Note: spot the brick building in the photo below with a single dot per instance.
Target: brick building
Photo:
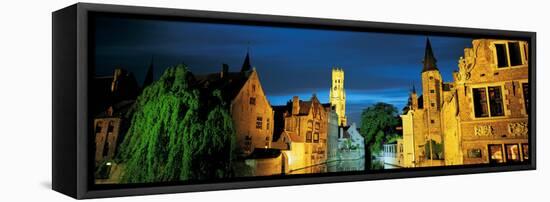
(485, 108)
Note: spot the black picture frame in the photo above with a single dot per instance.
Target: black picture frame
(71, 71)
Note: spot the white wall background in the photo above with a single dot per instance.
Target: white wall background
(25, 99)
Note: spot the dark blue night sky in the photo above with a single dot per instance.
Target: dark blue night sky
(290, 61)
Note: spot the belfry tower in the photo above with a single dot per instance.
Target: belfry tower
(338, 95)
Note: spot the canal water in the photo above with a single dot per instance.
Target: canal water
(343, 166)
(333, 166)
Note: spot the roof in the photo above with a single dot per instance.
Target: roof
(127, 89)
(230, 84)
(429, 58)
(305, 106)
(246, 64)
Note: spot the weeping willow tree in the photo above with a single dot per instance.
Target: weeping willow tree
(176, 135)
(378, 122)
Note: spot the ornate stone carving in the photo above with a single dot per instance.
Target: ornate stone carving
(518, 129)
(466, 64)
(483, 130)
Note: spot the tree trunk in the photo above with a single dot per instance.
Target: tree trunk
(368, 158)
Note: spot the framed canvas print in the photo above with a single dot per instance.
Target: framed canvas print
(153, 100)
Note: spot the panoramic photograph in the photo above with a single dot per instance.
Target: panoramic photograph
(192, 101)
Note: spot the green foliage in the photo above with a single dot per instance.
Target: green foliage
(102, 171)
(377, 123)
(175, 135)
(437, 150)
(391, 139)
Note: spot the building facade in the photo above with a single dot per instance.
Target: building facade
(304, 134)
(485, 109)
(252, 115)
(489, 104)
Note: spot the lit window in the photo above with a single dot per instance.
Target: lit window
(259, 122)
(316, 137)
(512, 153)
(495, 153)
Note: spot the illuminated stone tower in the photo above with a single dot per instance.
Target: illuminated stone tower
(432, 92)
(338, 95)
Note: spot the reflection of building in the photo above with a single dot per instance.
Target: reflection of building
(338, 95)
(485, 108)
(303, 136)
(250, 110)
(351, 144)
(332, 133)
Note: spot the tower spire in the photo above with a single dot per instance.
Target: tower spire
(429, 58)
(150, 74)
(246, 64)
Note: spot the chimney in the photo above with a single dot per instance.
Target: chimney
(414, 101)
(116, 78)
(295, 105)
(414, 98)
(225, 69)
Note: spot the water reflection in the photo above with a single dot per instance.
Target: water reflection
(333, 166)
